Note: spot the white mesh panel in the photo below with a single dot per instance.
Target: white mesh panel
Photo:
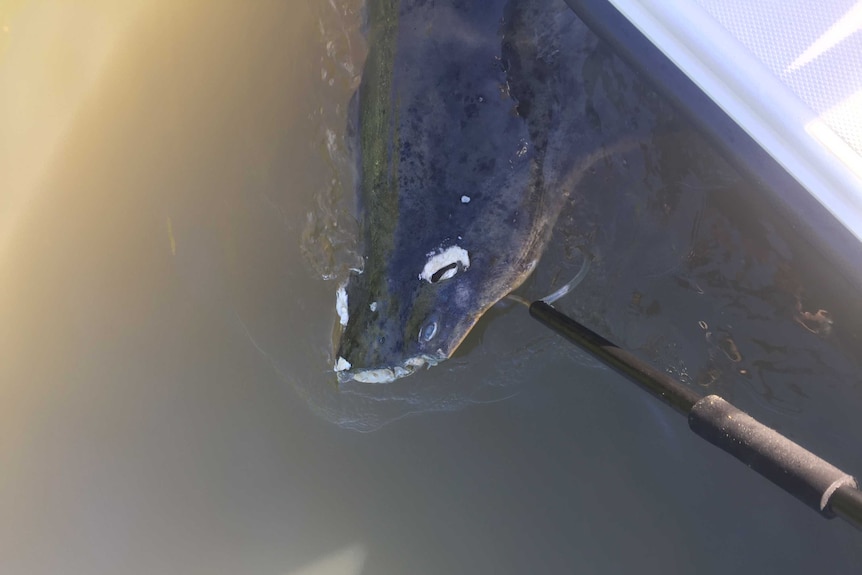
(813, 47)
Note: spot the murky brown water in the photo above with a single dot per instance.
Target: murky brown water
(176, 215)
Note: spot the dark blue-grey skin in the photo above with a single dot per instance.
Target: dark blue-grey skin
(469, 126)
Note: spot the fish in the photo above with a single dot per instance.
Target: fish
(468, 125)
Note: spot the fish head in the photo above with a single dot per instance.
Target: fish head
(392, 326)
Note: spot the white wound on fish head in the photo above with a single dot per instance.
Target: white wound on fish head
(446, 261)
(341, 304)
(465, 199)
(373, 306)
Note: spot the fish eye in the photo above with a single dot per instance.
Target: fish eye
(427, 332)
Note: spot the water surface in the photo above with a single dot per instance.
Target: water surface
(170, 252)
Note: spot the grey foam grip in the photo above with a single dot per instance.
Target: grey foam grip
(793, 468)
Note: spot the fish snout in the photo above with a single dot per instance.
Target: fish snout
(346, 372)
(374, 351)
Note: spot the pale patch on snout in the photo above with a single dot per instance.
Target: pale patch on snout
(449, 260)
(385, 374)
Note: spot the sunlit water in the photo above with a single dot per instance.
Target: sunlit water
(169, 263)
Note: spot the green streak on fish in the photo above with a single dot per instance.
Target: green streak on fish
(378, 129)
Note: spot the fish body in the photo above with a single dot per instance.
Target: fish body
(468, 124)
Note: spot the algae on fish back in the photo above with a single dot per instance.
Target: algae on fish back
(377, 128)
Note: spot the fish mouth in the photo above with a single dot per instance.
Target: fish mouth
(345, 372)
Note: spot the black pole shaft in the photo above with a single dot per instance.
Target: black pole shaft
(812, 480)
(657, 383)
